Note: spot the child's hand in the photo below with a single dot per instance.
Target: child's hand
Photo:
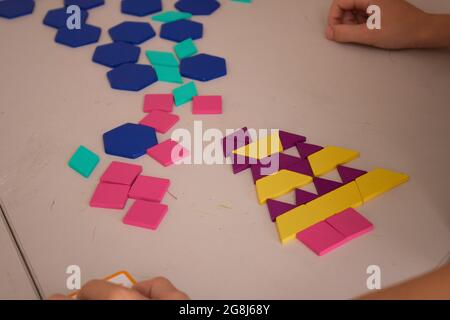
(155, 289)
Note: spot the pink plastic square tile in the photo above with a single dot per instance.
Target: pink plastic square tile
(163, 102)
(168, 152)
(149, 188)
(160, 120)
(145, 214)
(321, 238)
(350, 223)
(121, 173)
(109, 195)
(207, 105)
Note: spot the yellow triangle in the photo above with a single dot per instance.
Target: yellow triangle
(329, 158)
(261, 148)
(379, 181)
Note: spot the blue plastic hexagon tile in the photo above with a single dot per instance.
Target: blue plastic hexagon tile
(181, 30)
(198, 7)
(78, 37)
(132, 77)
(84, 4)
(57, 18)
(116, 53)
(132, 32)
(129, 140)
(203, 67)
(141, 8)
(11, 9)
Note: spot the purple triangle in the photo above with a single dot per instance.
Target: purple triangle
(277, 208)
(286, 160)
(256, 172)
(235, 140)
(349, 174)
(303, 197)
(306, 149)
(302, 167)
(289, 140)
(240, 163)
(324, 186)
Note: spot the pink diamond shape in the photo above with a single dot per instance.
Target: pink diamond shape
(321, 238)
(168, 152)
(121, 173)
(149, 188)
(350, 223)
(160, 120)
(145, 214)
(109, 195)
(207, 105)
(163, 102)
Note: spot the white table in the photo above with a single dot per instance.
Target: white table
(216, 241)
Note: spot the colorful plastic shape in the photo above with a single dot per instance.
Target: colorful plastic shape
(132, 32)
(290, 223)
(115, 54)
(198, 7)
(181, 30)
(140, 8)
(145, 214)
(272, 164)
(184, 93)
(185, 49)
(57, 18)
(168, 74)
(329, 158)
(378, 181)
(302, 167)
(350, 223)
(160, 58)
(203, 67)
(162, 102)
(11, 9)
(239, 164)
(348, 174)
(243, 1)
(170, 16)
(207, 105)
(78, 37)
(129, 140)
(277, 208)
(121, 173)
(289, 140)
(131, 77)
(321, 238)
(261, 148)
(110, 196)
(160, 120)
(307, 149)
(149, 188)
(324, 186)
(84, 4)
(235, 140)
(168, 152)
(303, 197)
(84, 161)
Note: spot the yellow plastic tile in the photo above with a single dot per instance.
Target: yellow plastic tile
(280, 183)
(329, 158)
(261, 148)
(379, 181)
(291, 222)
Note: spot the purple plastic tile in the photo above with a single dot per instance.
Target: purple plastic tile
(324, 186)
(277, 208)
(240, 163)
(303, 197)
(289, 140)
(286, 160)
(302, 167)
(349, 174)
(350, 223)
(235, 140)
(306, 149)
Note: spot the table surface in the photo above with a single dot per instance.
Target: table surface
(216, 241)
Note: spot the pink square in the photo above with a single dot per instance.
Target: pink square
(160, 120)
(109, 195)
(350, 223)
(149, 188)
(168, 152)
(163, 102)
(121, 173)
(207, 105)
(145, 214)
(321, 238)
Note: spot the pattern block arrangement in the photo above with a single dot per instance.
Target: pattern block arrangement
(329, 158)
(84, 161)
(261, 148)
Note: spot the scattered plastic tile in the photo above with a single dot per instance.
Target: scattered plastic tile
(303, 197)
(121, 173)
(286, 161)
(235, 140)
(161, 58)
(132, 77)
(84, 4)
(185, 49)
(78, 37)
(307, 149)
(115, 54)
(198, 7)
(321, 238)
(11, 9)
(141, 8)
(261, 148)
(350, 223)
(168, 152)
(129, 140)
(57, 18)
(277, 208)
(324, 186)
(181, 30)
(302, 167)
(168, 74)
(160, 120)
(170, 16)
(294, 221)
(84, 161)
(149, 188)
(145, 214)
(289, 140)
(378, 181)
(348, 174)
(132, 32)
(162, 102)
(329, 158)
(272, 164)
(184, 93)
(243, 1)
(203, 67)
(110, 196)
(207, 105)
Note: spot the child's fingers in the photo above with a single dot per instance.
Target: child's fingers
(339, 7)
(358, 33)
(103, 290)
(160, 289)
(58, 297)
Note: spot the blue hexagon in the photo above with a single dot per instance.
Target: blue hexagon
(198, 7)
(116, 53)
(84, 4)
(181, 30)
(203, 67)
(11, 9)
(132, 77)
(57, 18)
(132, 32)
(141, 8)
(129, 140)
(78, 37)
